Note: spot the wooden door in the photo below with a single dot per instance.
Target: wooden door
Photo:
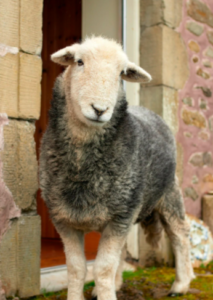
(61, 27)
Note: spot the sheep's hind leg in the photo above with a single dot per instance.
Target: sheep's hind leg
(172, 215)
(76, 263)
(107, 262)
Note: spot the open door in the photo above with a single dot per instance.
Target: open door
(62, 21)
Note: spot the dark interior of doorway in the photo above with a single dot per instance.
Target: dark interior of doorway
(62, 21)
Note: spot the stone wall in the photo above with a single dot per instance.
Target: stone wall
(20, 76)
(195, 109)
(177, 50)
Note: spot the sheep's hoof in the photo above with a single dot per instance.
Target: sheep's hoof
(94, 298)
(174, 294)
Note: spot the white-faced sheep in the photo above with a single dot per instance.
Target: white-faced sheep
(104, 166)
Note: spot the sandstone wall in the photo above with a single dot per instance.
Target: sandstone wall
(20, 89)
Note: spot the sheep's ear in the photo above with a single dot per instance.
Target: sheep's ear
(135, 73)
(65, 56)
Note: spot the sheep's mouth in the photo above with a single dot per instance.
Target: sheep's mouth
(95, 120)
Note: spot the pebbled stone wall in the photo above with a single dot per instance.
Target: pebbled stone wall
(177, 50)
(195, 103)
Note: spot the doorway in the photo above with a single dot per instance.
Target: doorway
(62, 26)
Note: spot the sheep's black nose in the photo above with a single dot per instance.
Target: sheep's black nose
(99, 112)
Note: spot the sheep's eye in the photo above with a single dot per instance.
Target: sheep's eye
(122, 72)
(80, 62)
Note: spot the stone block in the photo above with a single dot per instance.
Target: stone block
(9, 22)
(8, 252)
(163, 101)
(207, 203)
(149, 256)
(165, 12)
(28, 256)
(200, 12)
(163, 55)
(29, 86)
(31, 26)
(194, 28)
(192, 117)
(190, 192)
(194, 46)
(9, 69)
(210, 36)
(19, 163)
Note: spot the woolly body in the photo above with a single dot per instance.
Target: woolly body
(123, 169)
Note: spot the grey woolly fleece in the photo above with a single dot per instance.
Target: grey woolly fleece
(120, 176)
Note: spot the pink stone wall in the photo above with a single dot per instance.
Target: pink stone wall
(8, 208)
(195, 111)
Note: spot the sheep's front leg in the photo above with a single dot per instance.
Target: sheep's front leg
(76, 263)
(107, 262)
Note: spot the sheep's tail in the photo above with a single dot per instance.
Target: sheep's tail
(153, 229)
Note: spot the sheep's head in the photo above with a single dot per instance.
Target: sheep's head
(96, 68)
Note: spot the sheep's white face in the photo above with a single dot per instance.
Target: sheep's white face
(96, 68)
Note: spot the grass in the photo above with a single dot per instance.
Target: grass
(144, 282)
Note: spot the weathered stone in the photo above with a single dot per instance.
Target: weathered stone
(20, 257)
(207, 159)
(179, 165)
(208, 178)
(190, 192)
(9, 85)
(195, 59)
(203, 74)
(208, 210)
(206, 91)
(195, 180)
(211, 123)
(28, 256)
(201, 242)
(203, 104)
(187, 101)
(165, 103)
(29, 86)
(207, 64)
(20, 165)
(210, 36)
(194, 46)
(199, 11)
(204, 135)
(187, 134)
(209, 52)
(8, 254)
(31, 26)
(196, 160)
(157, 44)
(150, 256)
(194, 28)
(165, 12)
(9, 23)
(193, 118)
(201, 159)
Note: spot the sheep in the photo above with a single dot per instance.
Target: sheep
(105, 166)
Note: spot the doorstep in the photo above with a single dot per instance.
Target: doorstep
(54, 279)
